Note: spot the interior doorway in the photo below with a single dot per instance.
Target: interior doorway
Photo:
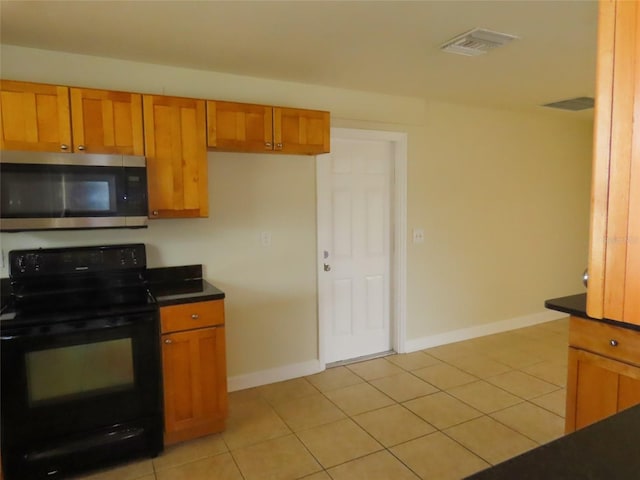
(361, 202)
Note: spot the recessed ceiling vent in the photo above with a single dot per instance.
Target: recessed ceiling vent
(572, 104)
(477, 42)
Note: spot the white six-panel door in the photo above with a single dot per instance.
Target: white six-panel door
(354, 220)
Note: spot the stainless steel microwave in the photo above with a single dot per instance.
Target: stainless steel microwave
(51, 191)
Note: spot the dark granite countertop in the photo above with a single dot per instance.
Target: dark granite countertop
(175, 285)
(576, 305)
(606, 450)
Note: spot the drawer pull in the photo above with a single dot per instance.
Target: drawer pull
(613, 342)
(195, 316)
(168, 341)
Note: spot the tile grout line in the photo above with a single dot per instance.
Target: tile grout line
(395, 402)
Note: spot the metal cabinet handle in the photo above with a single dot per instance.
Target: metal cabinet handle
(195, 316)
(613, 342)
(154, 213)
(168, 341)
(64, 147)
(278, 146)
(269, 145)
(82, 147)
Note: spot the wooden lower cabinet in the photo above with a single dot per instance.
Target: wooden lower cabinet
(605, 380)
(194, 370)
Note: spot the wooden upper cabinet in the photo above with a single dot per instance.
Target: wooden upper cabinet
(239, 127)
(51, 118)
(34, 116)
(107, 122)
(302, 132)
(614, 253)
(242, 127)
(176, 151)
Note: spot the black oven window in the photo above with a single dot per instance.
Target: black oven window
(79, 371)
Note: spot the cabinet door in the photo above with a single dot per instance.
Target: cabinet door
(195, 385)
(106, 122)
(176, 150)
(34, 116)
(303, 132)
(239, 127)
(614, 256)
(598, 387)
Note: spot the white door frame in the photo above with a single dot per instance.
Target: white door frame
(398, 287)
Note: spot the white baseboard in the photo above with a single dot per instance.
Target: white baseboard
(482, 330)
(287, 372)
(272, 375)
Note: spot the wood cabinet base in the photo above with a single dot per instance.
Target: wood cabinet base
(205, 428)
(603, 372)
(194, 370)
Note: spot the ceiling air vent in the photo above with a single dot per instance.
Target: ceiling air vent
(573, 104)
(477, 42)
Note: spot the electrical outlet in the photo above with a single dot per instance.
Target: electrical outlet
(418, 235)
(265, 239)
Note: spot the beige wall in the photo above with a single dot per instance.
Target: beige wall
(502, 196)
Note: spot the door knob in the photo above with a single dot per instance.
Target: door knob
(327, 267)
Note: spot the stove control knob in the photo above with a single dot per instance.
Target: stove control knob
(22, 264)
(36, 263)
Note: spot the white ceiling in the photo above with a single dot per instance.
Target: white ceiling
(381, 46)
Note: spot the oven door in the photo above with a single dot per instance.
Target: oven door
(69, 384)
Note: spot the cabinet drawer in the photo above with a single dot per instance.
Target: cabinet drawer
(614, 342)
(187, 316)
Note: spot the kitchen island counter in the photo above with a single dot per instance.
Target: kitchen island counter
(576, 306)
(605, 450)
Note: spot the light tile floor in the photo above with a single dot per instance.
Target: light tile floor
(441, 413)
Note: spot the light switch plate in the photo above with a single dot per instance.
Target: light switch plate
(418, 235)
(265, 239)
